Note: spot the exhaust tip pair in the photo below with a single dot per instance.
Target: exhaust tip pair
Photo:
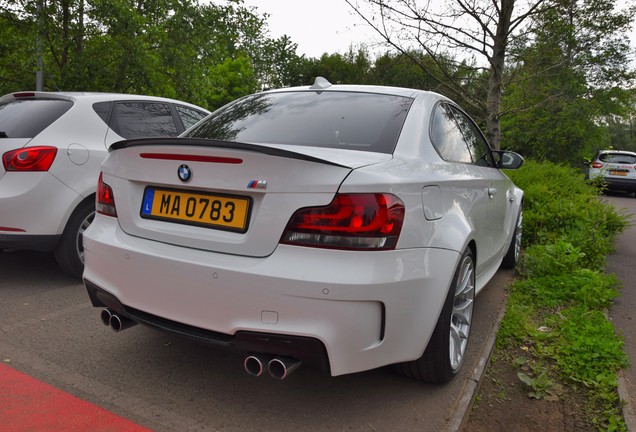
(279, 367)
(114, 321)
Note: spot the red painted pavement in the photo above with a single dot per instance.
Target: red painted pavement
(29, 405)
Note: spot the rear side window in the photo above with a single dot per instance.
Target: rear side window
(143, 119)
(458, 139)
(189, 116)
(102, 109)
(618, 158)
(342, 120)
(26, 118)
(447, 137)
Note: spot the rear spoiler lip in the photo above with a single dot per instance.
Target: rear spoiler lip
(204, 142)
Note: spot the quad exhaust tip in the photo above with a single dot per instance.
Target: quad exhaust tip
(279, 367)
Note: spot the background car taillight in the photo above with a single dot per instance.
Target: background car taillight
(105, 200)
(351, 221)
(29, 159)
(597, 165)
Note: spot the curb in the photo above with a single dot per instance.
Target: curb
(463, 408)
(629, 410)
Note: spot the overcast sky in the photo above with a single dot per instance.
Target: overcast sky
(329, 25)
(316, 26)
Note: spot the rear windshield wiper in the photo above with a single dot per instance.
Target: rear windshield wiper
(3, 134)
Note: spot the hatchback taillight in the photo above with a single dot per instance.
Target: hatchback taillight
(105, 200)
(597, 165)
(350, 221)
(29, 159)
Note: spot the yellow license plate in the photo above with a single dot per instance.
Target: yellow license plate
(618, 173)
(226, 212)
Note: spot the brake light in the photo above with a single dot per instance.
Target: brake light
(350, 221)
(597, 165)
(105, 200)
(29, 159)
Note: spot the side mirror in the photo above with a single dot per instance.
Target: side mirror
(509, 159)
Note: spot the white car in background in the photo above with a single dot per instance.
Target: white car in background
(349, 227)
(52, 146)
(617, 169)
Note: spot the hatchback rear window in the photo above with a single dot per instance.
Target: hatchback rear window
(618, 158)
(26, 118)
(342, 120)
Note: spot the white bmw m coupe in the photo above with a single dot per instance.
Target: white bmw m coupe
(348, 227)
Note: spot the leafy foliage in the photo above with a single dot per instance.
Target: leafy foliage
(556, 310)
(570, 73)
(203, 53)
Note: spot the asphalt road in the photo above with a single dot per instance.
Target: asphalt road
(623, 312)
(49, 330)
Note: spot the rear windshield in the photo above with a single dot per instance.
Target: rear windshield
(342, 120)
(618, 158)
(25, 118)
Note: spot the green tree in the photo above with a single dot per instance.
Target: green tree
(18, 33)
(570, 83)
(477, 32)
(175, 48)
(353, 67)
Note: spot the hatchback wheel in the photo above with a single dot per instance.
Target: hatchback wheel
(446, 350)
(69, 252)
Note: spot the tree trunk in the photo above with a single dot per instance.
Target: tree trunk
(495, 76)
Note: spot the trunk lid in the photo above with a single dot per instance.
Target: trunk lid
(239, 197)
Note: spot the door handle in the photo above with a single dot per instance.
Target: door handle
(492, 192)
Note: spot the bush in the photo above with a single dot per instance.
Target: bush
(556, 310)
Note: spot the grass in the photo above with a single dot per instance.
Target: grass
(557, 309)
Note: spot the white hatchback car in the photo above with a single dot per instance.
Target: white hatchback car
(52, 146)
(348, 227)
(617, 169)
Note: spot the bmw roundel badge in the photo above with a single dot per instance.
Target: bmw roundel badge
(185, 173)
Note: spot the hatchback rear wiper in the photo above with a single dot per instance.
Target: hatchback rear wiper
(3, 134)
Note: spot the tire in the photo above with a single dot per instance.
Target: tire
(511, 258)
(446, 349)
(69, 252)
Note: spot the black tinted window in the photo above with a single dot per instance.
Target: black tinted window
(447, 137)
(189, 116)
(28, 117)
(346, 120)
(618, 158)
(477, 145)
(102, 109)
(143, 119)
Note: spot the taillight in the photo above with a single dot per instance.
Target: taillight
(105, 200)
(597, 165)
(351, 221)
(29, 159)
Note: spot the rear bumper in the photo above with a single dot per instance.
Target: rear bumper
(310, 351)
(620, 184)
(34, 208)
(345, 311)
(612, 182)
(42, 243)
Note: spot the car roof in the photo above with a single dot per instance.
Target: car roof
(90, 97)
(322, 85)
(617, 152)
